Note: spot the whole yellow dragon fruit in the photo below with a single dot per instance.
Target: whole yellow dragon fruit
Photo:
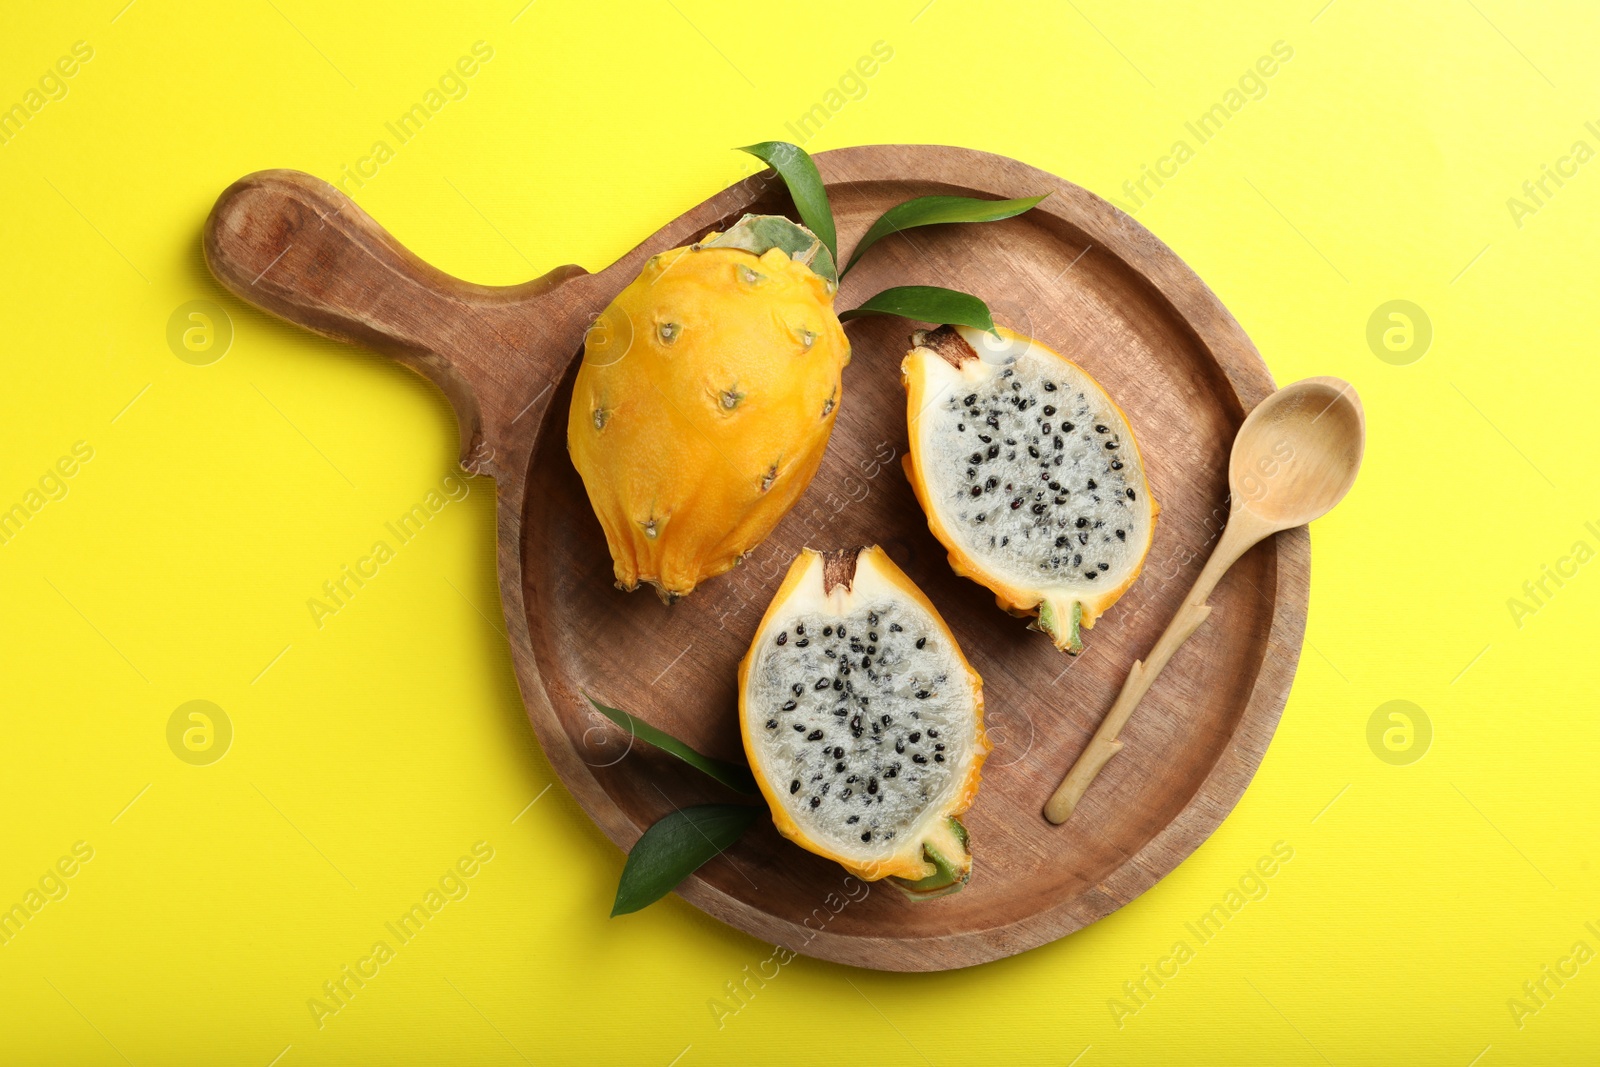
(707, 393)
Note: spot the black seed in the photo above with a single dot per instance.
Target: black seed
(814, 735)
(872, 785)
(1130, 495)
(867, 836)
(986, 439)
(783, 638)
(1077, 559)
(923, 694)
(797, 688)
(788, 705)
(1081, 523)
(976, 457)
(772, 724)
(972, 398)
(1091, 574)
(933, 731)
(1061, 500)
(837, 684)
(894, 627)
(799, 729)
(977, 490)
(839, 767)
(827, 631)
(794, 787)
(938, 757)
(1116, 464)
(1110, 445)
(994, 450)
(853, 819)
(899, 746)
(1049, 387)
(866, 661)
(921, 641)
(917, 757)
(803, 642)
(1091, 484)
(982, 516)
(800, 628)
(1034, 452)
(1061, 542)
(816, 802)
(1122, 535)
(1038, 509)
(1049, 409)
(885, 720)
(916, 735)
(1099, 428)
(822, 683)
(1103, 566)
(1017, 503)
(830, 653)
(1083, 539)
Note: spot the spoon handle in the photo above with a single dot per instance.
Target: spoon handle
(1243, 531)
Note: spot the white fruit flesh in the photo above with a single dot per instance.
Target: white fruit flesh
(1032, 471)
(861, 717)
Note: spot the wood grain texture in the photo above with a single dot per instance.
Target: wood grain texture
(1075, 272)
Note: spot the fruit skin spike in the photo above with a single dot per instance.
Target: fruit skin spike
(863, 722)
(1029, 475)
(704, 403)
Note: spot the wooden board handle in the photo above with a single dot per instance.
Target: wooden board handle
(297, 247)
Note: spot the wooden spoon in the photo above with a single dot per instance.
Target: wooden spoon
(1295, 457)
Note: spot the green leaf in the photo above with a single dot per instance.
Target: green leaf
(931, 210)
(674, 848)
(732, 775)
(927, 303)
(799, 173)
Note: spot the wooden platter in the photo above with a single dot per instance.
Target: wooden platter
(1075, 272)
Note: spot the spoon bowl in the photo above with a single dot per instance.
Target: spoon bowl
(1298, 452)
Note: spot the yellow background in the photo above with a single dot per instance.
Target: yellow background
(370, 754)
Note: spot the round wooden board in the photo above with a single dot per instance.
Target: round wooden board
(1076, 273)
